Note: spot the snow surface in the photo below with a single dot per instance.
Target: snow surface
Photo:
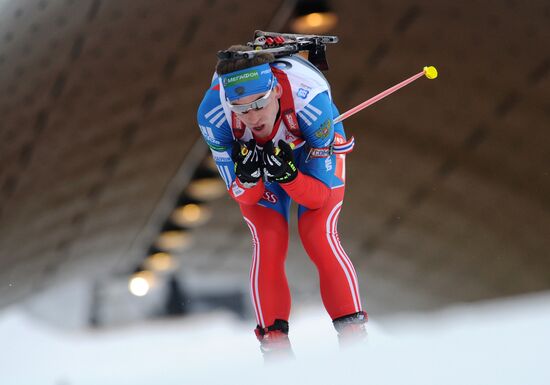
(501, 343)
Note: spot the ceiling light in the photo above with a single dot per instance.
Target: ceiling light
(191, 215)
(141, 282)
(206, 189)
(313, 17)
(160, 261)
(173, 238)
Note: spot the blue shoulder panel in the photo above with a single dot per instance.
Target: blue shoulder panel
(317, 129)
(315, 121)
(213, 124)
(216, 131)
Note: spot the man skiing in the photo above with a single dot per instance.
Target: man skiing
(269, 125)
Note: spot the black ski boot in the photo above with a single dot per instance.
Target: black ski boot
(274, 342)
(351, 328)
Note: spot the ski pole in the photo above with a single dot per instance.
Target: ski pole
(430, 72)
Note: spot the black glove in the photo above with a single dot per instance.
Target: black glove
(247, 162)
(279, 162)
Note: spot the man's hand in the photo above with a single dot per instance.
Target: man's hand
(247, 162)
(279, 162)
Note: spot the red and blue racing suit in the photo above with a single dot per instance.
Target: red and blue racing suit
(318, 190)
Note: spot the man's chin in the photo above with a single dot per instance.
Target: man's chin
(261, 131)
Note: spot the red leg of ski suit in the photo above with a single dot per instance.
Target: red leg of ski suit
(318, 232)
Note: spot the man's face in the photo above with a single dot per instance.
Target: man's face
(260, 121)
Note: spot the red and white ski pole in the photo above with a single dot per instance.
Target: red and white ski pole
(430, 72)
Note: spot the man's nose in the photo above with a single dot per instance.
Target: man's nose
(254, 116)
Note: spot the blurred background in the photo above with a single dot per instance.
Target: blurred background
(112, 213)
